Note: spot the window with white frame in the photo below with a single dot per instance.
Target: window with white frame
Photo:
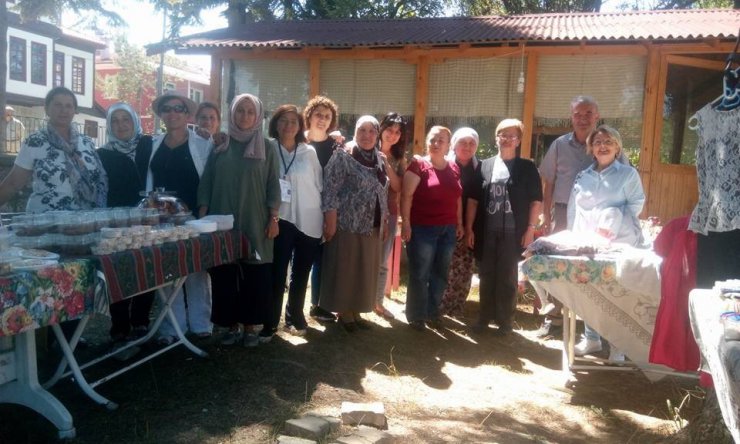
(17, 59)
(38, 63)
(78, 75)
(58, 68)
(168, 86)
(196, 95)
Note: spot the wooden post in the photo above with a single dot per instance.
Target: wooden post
(650, 113)
(314, 76)
(530, 96)
(420, 111)
(214, 92)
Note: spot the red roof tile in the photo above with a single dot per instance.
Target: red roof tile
(611, 26)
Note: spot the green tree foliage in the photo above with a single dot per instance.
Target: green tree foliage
(135, 81)
(517, 7)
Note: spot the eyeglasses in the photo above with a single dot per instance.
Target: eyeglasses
(607, 143)
(507, 137)
(176, 108)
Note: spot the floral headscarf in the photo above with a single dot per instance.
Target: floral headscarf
(255, 148)
(127, 147)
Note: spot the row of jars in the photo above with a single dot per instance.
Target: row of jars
(83, 222)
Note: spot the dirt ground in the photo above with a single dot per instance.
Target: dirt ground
(437, 387)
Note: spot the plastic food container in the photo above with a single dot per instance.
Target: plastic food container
(224, 221)
(203, 226)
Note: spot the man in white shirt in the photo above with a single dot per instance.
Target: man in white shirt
(14, 131)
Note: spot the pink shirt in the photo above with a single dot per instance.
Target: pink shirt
(435, 199)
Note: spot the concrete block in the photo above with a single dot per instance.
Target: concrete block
(311, 427)
(366, 435)
(283, 439)
(334, 423)
(372, 414)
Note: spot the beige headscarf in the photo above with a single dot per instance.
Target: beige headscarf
(255, 148)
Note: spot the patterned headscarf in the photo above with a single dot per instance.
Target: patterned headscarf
(255, 148)
(127, 147)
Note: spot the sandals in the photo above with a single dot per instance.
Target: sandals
(384, 313)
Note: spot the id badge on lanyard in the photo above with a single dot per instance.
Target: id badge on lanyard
(286, 190)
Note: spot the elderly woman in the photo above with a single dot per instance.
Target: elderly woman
(176, 164)
(301, 220)
(464, 144)
(321, 117)
(64, 165)
(242, 179)
(393, 146)
(502, 214)
(431, 209)
(355, 221)
(606, 199)
(126, 161)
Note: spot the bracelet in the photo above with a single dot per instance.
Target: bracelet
(532, 226)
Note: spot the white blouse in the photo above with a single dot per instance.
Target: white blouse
(304, 174)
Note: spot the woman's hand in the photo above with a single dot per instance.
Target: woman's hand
(273, 228)
(337, 136)
(528, 237)
(406, 231)
(386, 231)
(459, 232)
(330, 229)
(470, 239)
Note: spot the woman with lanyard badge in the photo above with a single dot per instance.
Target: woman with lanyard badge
(301, 220)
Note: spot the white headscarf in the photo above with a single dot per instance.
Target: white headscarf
(127, 147)
(459, 135)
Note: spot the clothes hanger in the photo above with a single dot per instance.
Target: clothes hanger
(730, 98)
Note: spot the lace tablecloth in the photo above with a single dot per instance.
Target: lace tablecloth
(617, 295)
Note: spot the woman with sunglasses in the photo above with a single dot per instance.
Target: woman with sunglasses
(502, 213)
(177, 162)
(393, 146)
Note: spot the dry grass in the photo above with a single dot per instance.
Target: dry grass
(436, 388)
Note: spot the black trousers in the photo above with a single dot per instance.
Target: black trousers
(240, 293)
(293, 245)
(717, 257)
(498, 278)
(128, 313)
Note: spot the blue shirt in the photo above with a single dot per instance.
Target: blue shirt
(609, 200)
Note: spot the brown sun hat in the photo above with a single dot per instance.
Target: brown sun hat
(189, 104)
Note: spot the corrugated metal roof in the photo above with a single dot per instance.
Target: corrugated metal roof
(610, 26)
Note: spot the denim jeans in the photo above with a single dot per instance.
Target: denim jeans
(429, 251)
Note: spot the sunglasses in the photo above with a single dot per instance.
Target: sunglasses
(176, 108)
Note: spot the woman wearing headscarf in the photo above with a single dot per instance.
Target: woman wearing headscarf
(126, 160)
(355, 208)
(431, 210)
(393, 146)
(62, 164)
(176, 164)
(464, 144)
(502, 213)
(242, 179)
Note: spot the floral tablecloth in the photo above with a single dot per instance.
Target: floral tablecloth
(130, 272)
(617, 295)
(34, 299)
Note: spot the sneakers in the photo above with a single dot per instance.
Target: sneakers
(548, 329)
(616, 355)
(232, 337)
(294, 331)
(587, 347)
(418, 325)
(266, 335)
(320, 314)
(436, 324)
(252, 340)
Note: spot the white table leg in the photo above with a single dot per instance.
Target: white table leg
(26, 391)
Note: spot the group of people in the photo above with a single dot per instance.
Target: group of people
(319, 207)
